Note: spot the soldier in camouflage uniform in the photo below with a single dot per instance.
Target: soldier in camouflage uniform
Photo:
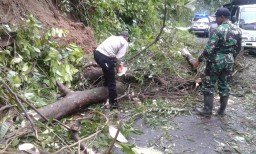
(219, 54)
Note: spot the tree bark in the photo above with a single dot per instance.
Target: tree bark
(73, 101)
(93, 74)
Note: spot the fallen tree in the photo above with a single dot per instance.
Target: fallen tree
(73, 101)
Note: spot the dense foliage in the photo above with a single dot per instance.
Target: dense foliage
(142, 18)
(36, 61)
(209, 6)
(33, 64)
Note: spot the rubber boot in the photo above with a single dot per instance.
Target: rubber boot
(208, 105)
(223, 105)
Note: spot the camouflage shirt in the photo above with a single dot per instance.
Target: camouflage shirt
(223, 45)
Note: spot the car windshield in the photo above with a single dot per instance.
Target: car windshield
(200, 16)
(247, 16)
(202, 21)
(205, 20)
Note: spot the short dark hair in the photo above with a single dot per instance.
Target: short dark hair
(223, 12)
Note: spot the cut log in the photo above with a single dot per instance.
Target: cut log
(73, 101)
(94, 74)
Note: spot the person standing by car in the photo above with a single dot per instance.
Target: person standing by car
(219, 54)
(107, 54)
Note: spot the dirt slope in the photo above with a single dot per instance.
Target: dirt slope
(13, 11)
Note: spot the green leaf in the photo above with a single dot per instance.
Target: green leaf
(79, 59)
(53, 32)
(3, 129)
(127, 148)
(68, 69)
(59, 73)
(72, 58)
(37, 50)
(74, 70)
(15, 142)
(16, 60)
(25, 67)
(17, 81)
(7, 51)
(67, 77)
(11, 74)
(59, 32)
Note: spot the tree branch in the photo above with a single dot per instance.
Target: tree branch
(158, 36)
(114, 140)
(64, 90)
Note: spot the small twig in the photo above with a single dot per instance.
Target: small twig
(87, 138)
(239, 152)
(96, 80)
(29, 103)
(125, 94)
(148, 85)
(79, 151)
(76, 143)
(26, 114)
(22, 107)
(234, 72)
(114, 140)
(6, 107)
(9, 37)
(3, 151)
(81, 145)
(67, 127)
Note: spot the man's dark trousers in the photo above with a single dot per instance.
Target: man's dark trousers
(108, 67)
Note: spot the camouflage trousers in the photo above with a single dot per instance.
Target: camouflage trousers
(220, 73)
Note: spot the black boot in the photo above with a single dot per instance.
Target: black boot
(223, 104)
(208, 105)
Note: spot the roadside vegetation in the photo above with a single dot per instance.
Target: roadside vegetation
(31, 66)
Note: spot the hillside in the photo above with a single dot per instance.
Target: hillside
(13, 11)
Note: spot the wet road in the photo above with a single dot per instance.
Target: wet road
(192, 134)
(234, 133)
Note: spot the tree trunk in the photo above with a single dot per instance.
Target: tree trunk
(74, 101)
(94, 74)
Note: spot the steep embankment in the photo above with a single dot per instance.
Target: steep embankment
(13, 11)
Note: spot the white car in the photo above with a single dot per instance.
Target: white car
(201, 26)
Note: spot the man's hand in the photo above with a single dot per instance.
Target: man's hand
(195, 64)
